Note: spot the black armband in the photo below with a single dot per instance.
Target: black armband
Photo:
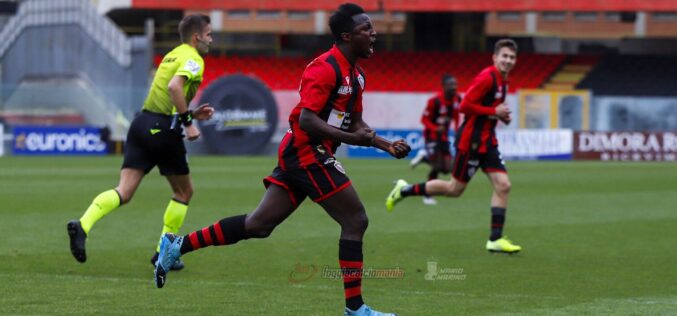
(186, 118)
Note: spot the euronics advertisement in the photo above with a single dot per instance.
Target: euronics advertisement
(58, 140)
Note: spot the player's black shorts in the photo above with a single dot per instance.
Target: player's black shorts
(151, 142)
(319, 181)
(437, 149)
(467, 163)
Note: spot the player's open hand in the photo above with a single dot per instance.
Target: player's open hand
(192, 132)
(399, 149)
(203, 112)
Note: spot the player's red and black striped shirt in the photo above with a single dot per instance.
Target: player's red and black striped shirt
(440, 112)
(478, 131)
(332, 88)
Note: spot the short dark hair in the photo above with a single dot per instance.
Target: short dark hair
(447, 77)
(342, 20)
(190, 24)
(506, 42)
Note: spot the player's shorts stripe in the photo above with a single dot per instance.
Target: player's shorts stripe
(285, 187)
(465, 164)
(312, 179)
(330, 194)
(326, 173)
(284, 147)
(494, 170)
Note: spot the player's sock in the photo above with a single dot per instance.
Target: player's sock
(432, 175)
(224, 232)
(414, 189)
(174, 215)
(497, 220)
(101, 205)
(350, 261)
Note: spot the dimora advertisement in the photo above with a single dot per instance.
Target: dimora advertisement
(58, 140)
(626, 146)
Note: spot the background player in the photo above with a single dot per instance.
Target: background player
(477, 147)
(440, 111)
(155, 136)
(329, 113)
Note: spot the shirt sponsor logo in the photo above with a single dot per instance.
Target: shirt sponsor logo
(345, 90)
(339, 119)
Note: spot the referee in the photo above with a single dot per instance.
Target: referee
(155, 136)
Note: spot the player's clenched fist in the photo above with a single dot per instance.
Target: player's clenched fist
(399, 149)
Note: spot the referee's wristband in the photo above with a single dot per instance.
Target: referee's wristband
(186, 118)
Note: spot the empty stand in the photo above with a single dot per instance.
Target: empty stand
(633, 76)
(393, 71)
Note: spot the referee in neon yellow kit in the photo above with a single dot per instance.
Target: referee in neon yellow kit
(155, 137)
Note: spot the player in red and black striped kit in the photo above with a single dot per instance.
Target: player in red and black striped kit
(328, 114)
(476, 145)
(439, 114)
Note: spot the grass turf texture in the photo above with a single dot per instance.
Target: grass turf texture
(598, 238)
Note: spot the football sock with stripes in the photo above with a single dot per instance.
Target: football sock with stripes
(173, 219)
(102, 204)
(497, 221)
(414, 189)
(350, 261)
(224, 232)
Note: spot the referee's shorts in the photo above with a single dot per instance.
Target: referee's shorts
(151, 141)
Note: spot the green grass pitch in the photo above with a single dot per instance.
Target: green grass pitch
(598, 238)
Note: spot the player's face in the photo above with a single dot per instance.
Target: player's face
(505, 60)
(204, 39)
(449, 88)
(363, 36)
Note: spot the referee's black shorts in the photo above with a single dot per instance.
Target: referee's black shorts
(151, 142)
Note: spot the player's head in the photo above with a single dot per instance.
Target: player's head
(196, 30)
(352, 27)
(505, 55)
(448, 85)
